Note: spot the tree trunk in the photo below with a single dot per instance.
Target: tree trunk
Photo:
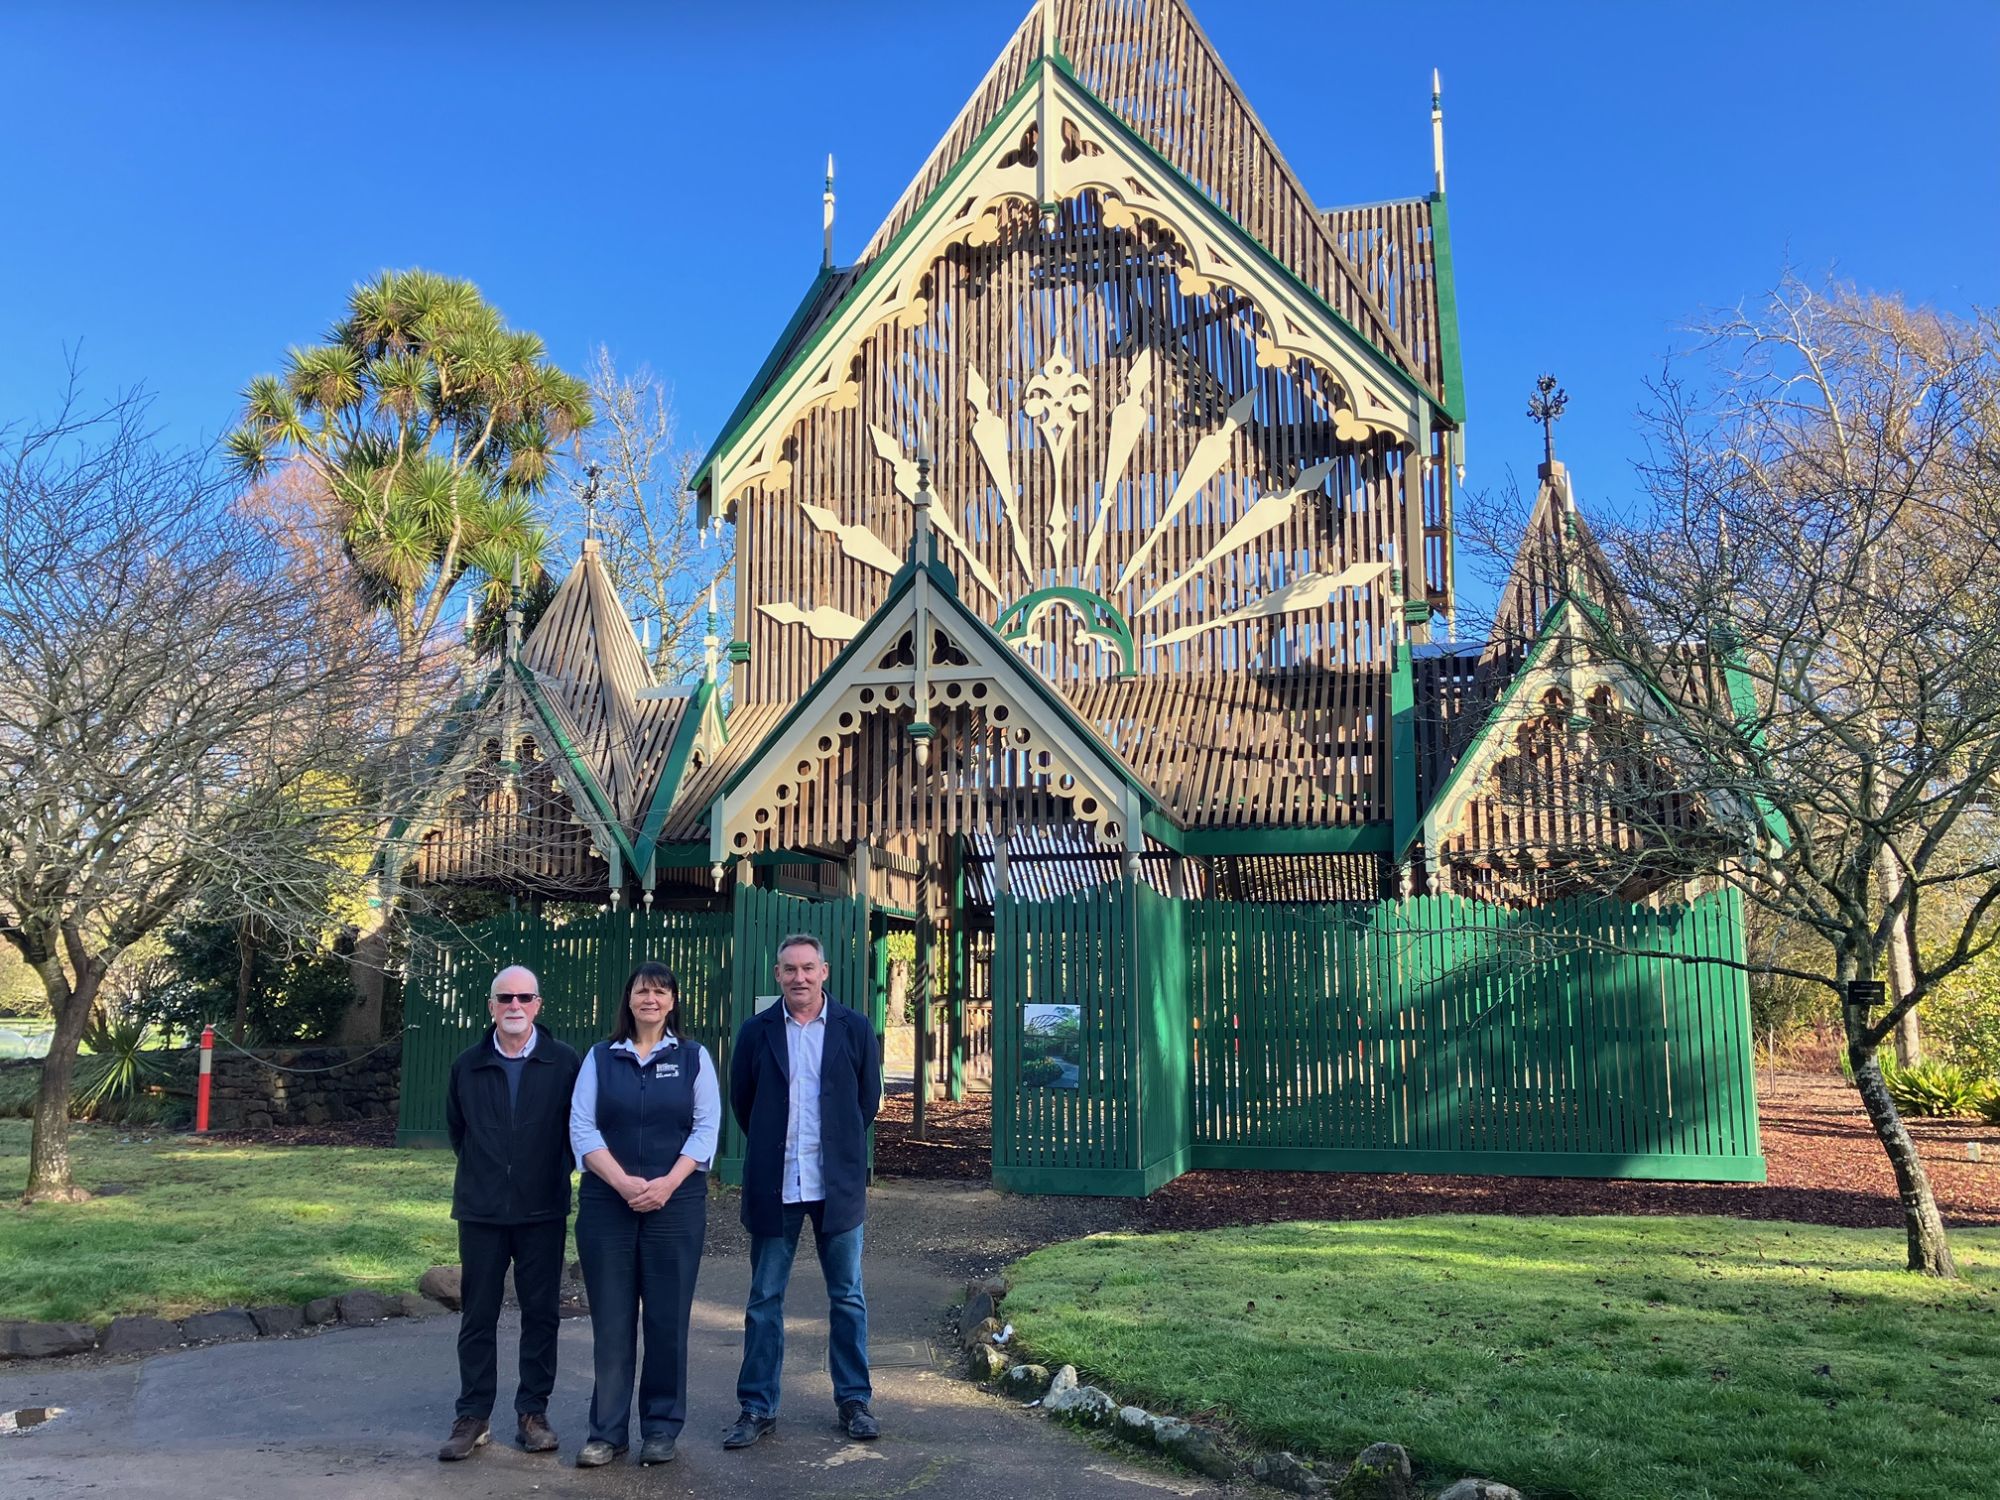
(1902, 965)
(368, 966)
(48, 1150)
(246, 973)
(1929, 1251)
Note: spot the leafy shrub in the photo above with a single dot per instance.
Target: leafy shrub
(1934, 1090)
(166, 1098)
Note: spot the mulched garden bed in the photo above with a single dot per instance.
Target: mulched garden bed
(1825, 1166)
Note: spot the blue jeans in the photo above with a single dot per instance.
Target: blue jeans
(764, 1319)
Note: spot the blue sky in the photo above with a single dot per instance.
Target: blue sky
(193, 187)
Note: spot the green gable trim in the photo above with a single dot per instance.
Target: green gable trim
(757, 381)
(1543, 637)
(580, 771)
(671, 774)
(760, 395)
(1449, 359)
(459, 723)
(945, 600)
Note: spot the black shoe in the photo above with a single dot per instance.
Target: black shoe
(858, 1422)
(596, 1453)
(749, 1427)
(467, 1433)
(535, 1435)
(657, 1451)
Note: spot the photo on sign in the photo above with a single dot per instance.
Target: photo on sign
(1051, 1046)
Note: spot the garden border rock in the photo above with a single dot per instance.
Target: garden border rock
(142, 1334)
(1381, 1471)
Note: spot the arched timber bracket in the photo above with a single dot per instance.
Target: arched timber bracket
(1003, 173)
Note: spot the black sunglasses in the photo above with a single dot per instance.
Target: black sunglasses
(527, 999)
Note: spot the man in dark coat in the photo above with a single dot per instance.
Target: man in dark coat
(508, 1113)
(804, 1081)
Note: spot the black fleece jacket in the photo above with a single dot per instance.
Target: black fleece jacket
(513, 1160)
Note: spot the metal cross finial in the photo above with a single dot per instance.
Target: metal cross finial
(1546, 406)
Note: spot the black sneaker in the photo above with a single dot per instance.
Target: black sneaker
(858, 1422)
(467, 1433)
(596, 1453)
(749, 1427)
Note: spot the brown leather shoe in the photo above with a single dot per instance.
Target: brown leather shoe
(467, 1433)
(536, 1436)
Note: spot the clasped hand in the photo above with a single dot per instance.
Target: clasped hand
(644, 1194)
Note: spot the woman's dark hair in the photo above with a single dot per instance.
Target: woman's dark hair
(623, 1027)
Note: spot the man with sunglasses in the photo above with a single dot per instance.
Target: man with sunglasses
(508, 1114)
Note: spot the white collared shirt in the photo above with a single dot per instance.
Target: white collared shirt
(805, 1046)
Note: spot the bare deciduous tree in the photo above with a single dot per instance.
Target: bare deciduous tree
(181, 715)
(644, 513)
(1814, 592)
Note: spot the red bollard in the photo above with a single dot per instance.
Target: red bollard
(201, 1088)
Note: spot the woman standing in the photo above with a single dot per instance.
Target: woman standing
(643, 1124)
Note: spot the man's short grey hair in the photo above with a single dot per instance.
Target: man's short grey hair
(494, 988)
(802, 940)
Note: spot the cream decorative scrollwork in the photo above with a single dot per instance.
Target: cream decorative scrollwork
(1057, 396)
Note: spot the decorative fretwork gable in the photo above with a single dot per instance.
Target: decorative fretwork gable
(556, 773)
(1150, 64)
(927, 667)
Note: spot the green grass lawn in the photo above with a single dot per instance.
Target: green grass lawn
(1605, 1357)
(205, 1224)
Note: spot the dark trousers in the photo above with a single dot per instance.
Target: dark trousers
(639, 1270)
(536, 1253)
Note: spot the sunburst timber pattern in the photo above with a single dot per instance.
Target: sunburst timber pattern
(822, 623)
(1127, 422)
(1310, 592)
(989, 440)
(1209, 455)
(1269, 513)
(905, 469)
(857, 542)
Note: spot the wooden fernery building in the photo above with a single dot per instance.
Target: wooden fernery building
(1092, 616)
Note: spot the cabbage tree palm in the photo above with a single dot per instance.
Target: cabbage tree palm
(431, 426)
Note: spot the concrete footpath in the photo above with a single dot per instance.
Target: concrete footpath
(361, 1411)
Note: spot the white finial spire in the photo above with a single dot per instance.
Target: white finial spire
(1437, 132)
(826, 216)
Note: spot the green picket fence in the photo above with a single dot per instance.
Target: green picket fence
(1440, 1034)
(1432, 1034)
(582, 966)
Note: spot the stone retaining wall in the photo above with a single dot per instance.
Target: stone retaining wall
(334, 1084)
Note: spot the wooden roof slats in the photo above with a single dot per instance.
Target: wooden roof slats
(592, 671)
(1393, 247)
(1151, 64)
(510, 831)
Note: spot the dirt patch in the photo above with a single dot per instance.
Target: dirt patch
(1825, 1167)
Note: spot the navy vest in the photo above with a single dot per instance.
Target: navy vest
(646, 1113)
